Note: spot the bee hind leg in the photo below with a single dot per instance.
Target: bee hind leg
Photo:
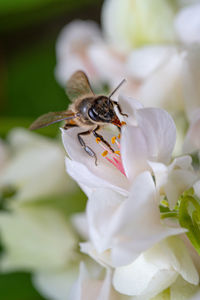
(87, 149)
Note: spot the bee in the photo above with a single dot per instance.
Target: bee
(88, 111)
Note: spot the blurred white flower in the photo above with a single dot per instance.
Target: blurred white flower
(36, 237)
(56, 285)
(192, 139)
(35, 167)
(187, 23)
(155, 270)
(72, 49)
(133, 23)
(4, 155)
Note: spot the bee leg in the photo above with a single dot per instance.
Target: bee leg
(67, 126)
(87, 149)
(101, 138)
(119, 108)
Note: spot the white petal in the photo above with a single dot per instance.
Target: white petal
(175, 179)
(71, 49)
(79, 222)
(101, 210)
(113, 70)
(94, 177)
(129, 106)
(159, 131)
(35, 180)
(182, 290)
(141, 63)
(139, 221)
(143, 279)
(197, 188)
(32, 225)
(134, 151)
(190, 81)
(92, 289)
(187, 24)
(152, 139)
(155, 270)
(192, 139)
(162, 88)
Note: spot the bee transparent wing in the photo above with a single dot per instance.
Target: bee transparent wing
(78, 85)
(51, 118)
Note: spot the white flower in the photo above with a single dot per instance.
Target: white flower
(36, 237)
(56, 285)
(72, 49)
(150, 135)
(121, 228)
(187, 23)
(192, 139)
(174, 179)
(190, 80)
(35, 168)
(155, 270)
(133, 23)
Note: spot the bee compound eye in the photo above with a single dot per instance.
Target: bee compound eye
(93, 115)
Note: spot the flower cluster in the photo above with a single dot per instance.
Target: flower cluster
(141, 225)
(139, 236)
(131, 222)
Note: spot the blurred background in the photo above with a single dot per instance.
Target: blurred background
(28, 32)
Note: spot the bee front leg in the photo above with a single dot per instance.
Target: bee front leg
(119, 108)
(87, 149)
(97, 135)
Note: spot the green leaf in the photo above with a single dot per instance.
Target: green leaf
(189, 217)
(17, 286)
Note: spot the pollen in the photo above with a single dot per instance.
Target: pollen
(117, 152)
(113, 139)
(123, 123)
(98, 140)
(104, 153)
(119, 136)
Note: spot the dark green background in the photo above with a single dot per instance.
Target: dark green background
(28, 32)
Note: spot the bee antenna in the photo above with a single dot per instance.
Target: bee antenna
(119, 85)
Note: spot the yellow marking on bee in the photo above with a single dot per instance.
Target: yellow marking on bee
(123, 123)
(113, 139)
(104, 153)
(98, 140)
(117, 152)
(119, 136)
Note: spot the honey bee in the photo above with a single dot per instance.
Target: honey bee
(87, 110)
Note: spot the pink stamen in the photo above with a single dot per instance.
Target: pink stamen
(114, 158)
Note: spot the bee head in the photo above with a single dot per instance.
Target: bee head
(102, 110)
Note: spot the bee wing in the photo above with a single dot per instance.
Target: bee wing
(51, 118)
(78, 85)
